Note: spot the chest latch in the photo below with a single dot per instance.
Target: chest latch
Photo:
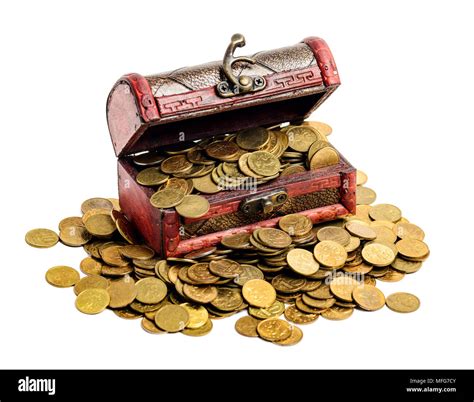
(238, 84)
(263, 203)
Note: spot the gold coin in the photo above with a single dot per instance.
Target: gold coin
(134, 251)
(259, 293)
(175, 164)
(92, 301)
(330, 254)
(384, 234)
(148, 159)
(412, 249)
(152, 176)
(361, 178)
(316, 146)
(407, 267)
(201, 331)
(334, 233)
(292, 169)
(408, 231)
(253, 138)
(392, 275)
(227, 299)
(96, 203)
(378, 254)
(100, 225)
(337, 313)
(205, 185)
(302, 261)
(74, 236)
(122, 292)
(223, 150)
(322, 292)
(274, 329)
(264, 163)
(300, 138)
(41, 238)
(295, 224)
(150, 327)
(402, 302)
(201, 274)
(244, 167)
(236, 241)
(361, 230)
(193, 206)
(115, 271)
(299, 317)
(127, 313)
(323, 128)
(274, 238)
(166, 198)
(90, 266)
(353, 245)
(288, 284)
(361, 268)
(342, 287)
(327, 156)
(70, 221)
(293, 339)
(317, 303)
(112, 255)
(275, 310)
(172, 318)
(247, 326)
(200, 294)
(198, 315)
(176, 183)
(62, 276)
(368, 297)
(150, 290)
(225, 268)
(249, 272)
(365, 195)
(385, 212)
(91, 282)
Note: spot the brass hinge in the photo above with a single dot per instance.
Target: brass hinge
(264, 203)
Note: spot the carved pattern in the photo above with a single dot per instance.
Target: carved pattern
(180, 105)
(295, 79)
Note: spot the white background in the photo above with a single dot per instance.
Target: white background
(403, 114)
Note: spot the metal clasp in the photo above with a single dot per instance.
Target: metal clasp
(264, 203)
(235, 85)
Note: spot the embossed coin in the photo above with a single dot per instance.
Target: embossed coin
(198, 315)
(225, 268)
(150, 326)
(92, 301)
(96, 203)
(327, 156)
(323, 128)
(150, 290)
(361, 178)
(252, 138)
(275, 238)
(342, 287)
(360, 230)
(74, 236)
(275, 310)
(295, 224)
(385, 212)
(378, 254)
(274, 329)
(201, 331)
(408, 231)
(222, 150)
(152, 176)
(166, 198)
(334, 233)
(100, 225)
(407, 267)
(337, 313)
(412, 249)
(134, 251)
(301, 137)
(330, 254)
(62, 276)
(41, 238)
(200, 294)
(302, 261)
(247, 326)
(205, 185)
(193, 206)
(122, 292)
(227, 299)
(201, 274)
(176, 164)
(90, 266)
(288, 284)
(264, 163)
(91, 282)
(259, 293)
(365, 195)
(368, 297)
(172, 318)
(299, 317)
(249, 272)
(402, 302)
(293, 339)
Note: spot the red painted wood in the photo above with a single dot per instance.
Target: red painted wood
(325, 60)
(348, 190)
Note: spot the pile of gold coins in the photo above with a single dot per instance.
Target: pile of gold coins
(297, 270)
(242, 160)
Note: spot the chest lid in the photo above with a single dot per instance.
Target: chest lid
(270, 87)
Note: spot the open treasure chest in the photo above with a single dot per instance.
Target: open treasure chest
(223, 148)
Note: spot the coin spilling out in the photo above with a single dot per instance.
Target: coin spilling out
(283, 276)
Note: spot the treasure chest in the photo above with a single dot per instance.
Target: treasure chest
(195, 115)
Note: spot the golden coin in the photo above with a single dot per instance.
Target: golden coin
(93, 212)
(264, 163)
(378, 254)
(368, 297)
(201, 274)
(295, 224)
(327, 156)
(244, 167)
(134, 251)
(322, 292)
(176, 183)
(122, 292)
(127, 313)
(362, 269)
(299, 317)
(274, 238)
(227, 299)
(275, 310)
(317, 303)
(253, 138)
(74, 236)
(408, 231)
(247, 326)
(330, 254)
(361, 178)
(152, 176)
(337, 313)
(288, 284)
(175, 164)
(198, 315)
(111, 255)
(385, 212)
(70, 221)
(249, 272)
(334, 233)
(407, 267)
(412, 249)
(201, 331)
(402, 302)
(150, 290)
(223, 150)
(259, 293)
(342, 287)
(225, 268)
(365, 195)
(387, 224)
(300, 138)
(172, 318)
(166, 198)
(91, 282)
(148, 159)
(197, 156)
(96, 203)
(236, 241)
(203, 252)
(361, 230)
(100, 225)
(41, 238)
(353, 245)
(62, 276)
(323, 128)
(292, 169)
(200, 294)
(301, 306)
(125, 227)
(92, 301)
(392, 275)
(150, 327)
(90, 266)
(274, 329)
(316, 146)
(293, 339)
(384, 234)
(302, 261)
(193, 206)
(205, 185)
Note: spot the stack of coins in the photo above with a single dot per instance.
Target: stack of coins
(297, 270)
(241, 160)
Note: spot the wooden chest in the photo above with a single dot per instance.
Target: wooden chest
(268, 89)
